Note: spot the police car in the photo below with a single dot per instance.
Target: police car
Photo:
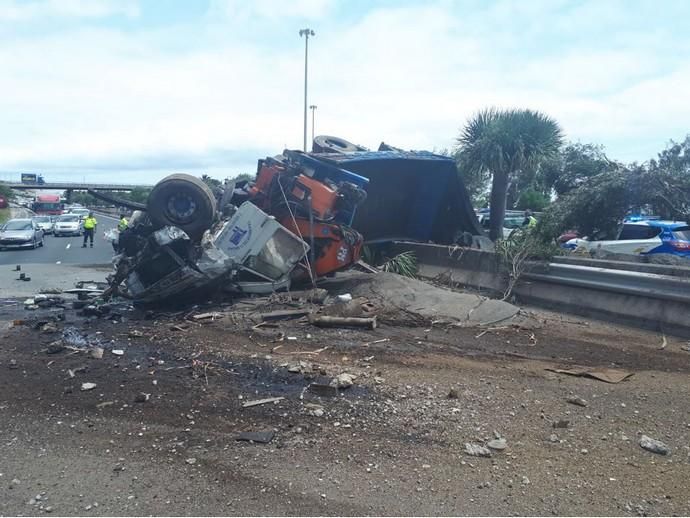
(642, 236)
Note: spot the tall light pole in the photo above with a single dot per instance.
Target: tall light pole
(313, 111)
(306, 33)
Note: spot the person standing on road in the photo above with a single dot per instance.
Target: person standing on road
(89, 229)
(122, 224)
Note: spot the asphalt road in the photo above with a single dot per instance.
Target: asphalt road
(66, 250)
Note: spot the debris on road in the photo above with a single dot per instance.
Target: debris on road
(497, 444)
(576, 400)
(323, 390)
(477, 450)
(654, 446)
(88, 386)
(258, 437)
(343, 380)
(207, 316)
(142, 397)
(285, 314)
(256, 402)
(406, 301)
(314, 409)
(327, 321)
(601, 374)
(55, 347)
(300, 367)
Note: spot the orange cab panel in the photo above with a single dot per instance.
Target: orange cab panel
(323, 198)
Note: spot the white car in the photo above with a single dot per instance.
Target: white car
(641, 237)
(68, 225)
(510, 223)
(82, 213)
(45, 223)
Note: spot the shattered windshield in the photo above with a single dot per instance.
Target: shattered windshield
(278, 255)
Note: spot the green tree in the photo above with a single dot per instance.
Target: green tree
(211, 182)
(530, 198)
(138, 194)
(574, 164)
(666, 186)
(6, 192)
(503, 143)
(244, 177)
(595, 208)
(476, 180)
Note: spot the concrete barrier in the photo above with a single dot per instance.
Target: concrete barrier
(649, 296)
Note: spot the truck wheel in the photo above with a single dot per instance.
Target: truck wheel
(330, 144)
(183, 201)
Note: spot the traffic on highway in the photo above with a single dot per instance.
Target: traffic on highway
(60, 241)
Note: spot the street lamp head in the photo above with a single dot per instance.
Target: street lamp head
(312, 107)
(307, 32)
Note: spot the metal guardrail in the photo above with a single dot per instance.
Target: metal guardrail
(641, 284)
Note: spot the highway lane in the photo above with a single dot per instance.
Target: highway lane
(66, 250)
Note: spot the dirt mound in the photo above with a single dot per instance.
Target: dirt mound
(394, 292)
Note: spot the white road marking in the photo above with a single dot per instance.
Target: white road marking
(68, 245)
(58, 262)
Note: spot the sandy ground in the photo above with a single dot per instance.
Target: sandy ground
(392, 444)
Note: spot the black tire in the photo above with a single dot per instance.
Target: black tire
(330, 144)
(182, 201)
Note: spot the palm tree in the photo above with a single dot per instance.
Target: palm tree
(503, 143)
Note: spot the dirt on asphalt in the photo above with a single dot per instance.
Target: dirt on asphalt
(157, 435)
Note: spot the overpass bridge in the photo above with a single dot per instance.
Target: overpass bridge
(75, 186)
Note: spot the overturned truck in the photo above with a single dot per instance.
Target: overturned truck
(305, 216)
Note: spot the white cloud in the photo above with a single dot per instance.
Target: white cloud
(272, 9)
(25, 10)
(408, 75)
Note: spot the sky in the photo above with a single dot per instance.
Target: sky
(133, 90)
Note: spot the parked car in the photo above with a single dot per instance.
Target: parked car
(567, 236)
(512, 221)
(68, 225)
(20, 233)
(45, 223)
(642, 237)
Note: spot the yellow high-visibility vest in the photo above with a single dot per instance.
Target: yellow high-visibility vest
(90, 223)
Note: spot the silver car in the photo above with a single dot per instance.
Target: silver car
(45, 223)
(20, 233)
(67, 225)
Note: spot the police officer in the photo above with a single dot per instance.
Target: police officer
(122, 224)
(89, 229)
(530, 221)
